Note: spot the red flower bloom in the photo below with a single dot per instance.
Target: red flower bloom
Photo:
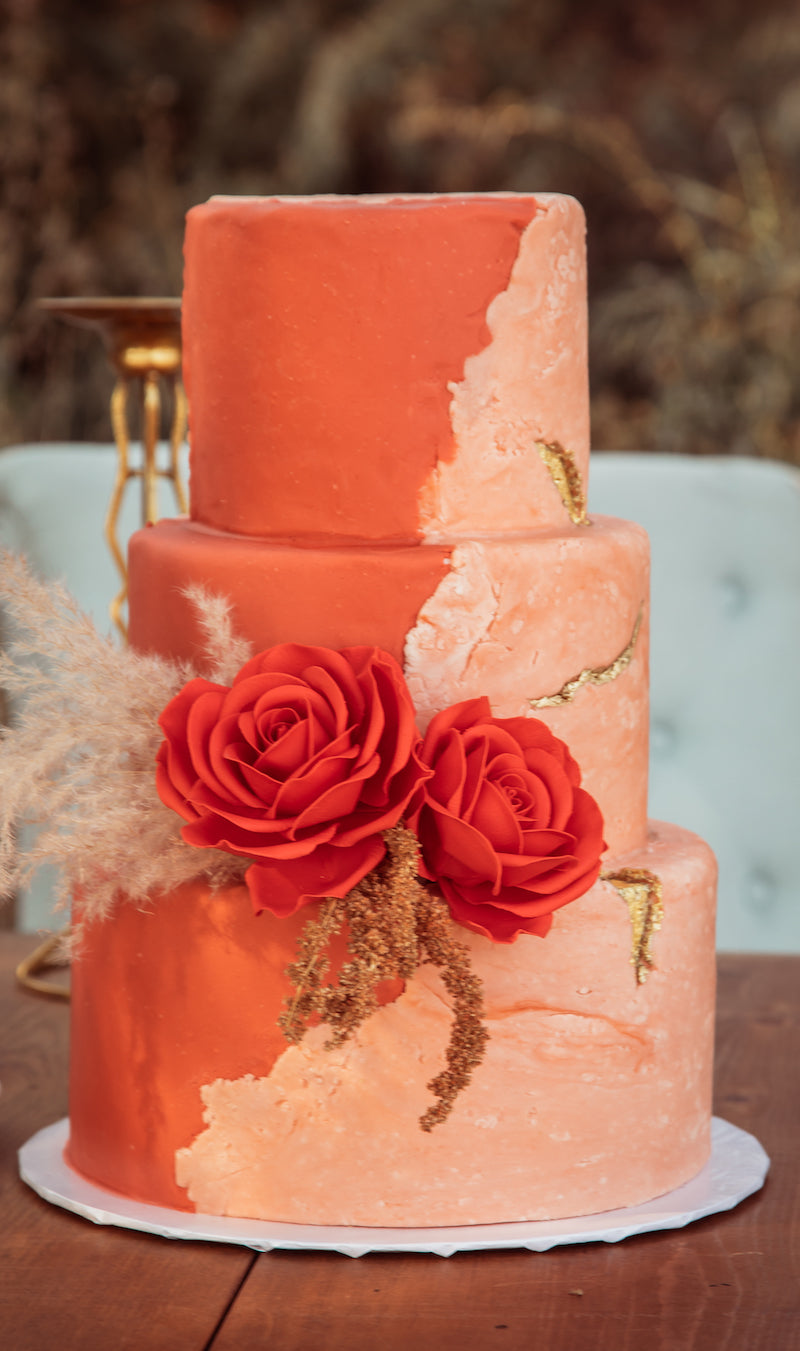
(299, 765)
(505, 828)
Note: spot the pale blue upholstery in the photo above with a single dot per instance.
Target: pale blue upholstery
(725, 645)
(53, 502)
(725, 715)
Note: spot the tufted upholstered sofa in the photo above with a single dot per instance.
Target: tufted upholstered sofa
(725, 713)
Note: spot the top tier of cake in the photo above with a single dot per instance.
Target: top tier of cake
(386, 369)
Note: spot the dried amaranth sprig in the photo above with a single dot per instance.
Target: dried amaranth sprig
(468, 1036)
(394, 924)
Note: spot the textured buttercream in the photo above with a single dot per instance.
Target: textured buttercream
(594, 1092)
(528, 384)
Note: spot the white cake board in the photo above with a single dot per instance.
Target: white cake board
(737, 1168)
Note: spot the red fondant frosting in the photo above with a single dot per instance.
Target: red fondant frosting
(321, 341)
(334, 597)
(161, 998)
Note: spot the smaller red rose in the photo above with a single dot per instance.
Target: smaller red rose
(299, 766)
(504, 826)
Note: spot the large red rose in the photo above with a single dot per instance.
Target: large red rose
(299, 765)
(505, 828)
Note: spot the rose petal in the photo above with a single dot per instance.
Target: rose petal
(455, 718)
(368, 821)
(201, 725)
(174, 722)
(499, 925)
(555, 781)
(566, 873)
(526, 797)
(372, 722)
(341, 716)
(334, 804)
(332, 673)
(272, 773)
(477, 756)
(532, 734)
(173, 718)
(511, 773)
(452, 848)
(283, 888)
(520, 869)
(446, 786)
(226, 754)
(399, 736)
(495, 818)
(213, 832)
(586, 824)
(169, 794)
(301, 791)
(289, 751)
(493, 735)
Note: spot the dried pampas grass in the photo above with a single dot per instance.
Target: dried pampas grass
(79, 759)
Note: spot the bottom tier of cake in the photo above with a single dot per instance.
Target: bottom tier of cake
(595, 1092)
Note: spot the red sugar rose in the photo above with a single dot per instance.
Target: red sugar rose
(505, 828)
(299, 765)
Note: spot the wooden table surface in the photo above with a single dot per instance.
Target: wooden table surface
(730, 1281)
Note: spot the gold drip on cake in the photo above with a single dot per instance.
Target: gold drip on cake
(641, 891)
(601, 675)
(566, 476)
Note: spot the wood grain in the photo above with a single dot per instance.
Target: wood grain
(728, 1283)
(65, 1282)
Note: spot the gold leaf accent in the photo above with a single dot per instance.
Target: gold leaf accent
(566, 476)
(641, 892)
(592, 676)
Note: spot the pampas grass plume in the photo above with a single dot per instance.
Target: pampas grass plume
(79, 758)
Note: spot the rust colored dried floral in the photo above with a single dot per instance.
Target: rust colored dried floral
(394, 923)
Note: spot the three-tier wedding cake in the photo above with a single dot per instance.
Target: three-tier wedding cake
(441, 740)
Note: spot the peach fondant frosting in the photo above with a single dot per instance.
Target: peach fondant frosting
(398, 944)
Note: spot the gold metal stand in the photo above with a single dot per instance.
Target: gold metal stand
(44, 958)
(143, 340)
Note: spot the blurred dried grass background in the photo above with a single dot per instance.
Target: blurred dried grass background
(676, 124)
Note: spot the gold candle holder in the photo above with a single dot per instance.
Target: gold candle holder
(143, 341)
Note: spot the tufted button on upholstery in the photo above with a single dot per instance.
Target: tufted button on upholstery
(664, 738)
(725, 650)
(762, 891)
(735, 595)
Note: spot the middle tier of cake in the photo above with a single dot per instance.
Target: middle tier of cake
(552, 625)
